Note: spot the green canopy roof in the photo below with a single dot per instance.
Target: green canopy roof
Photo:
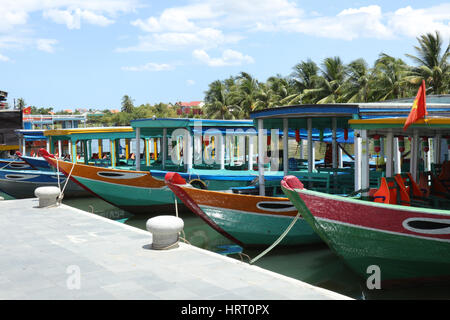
(154, 126)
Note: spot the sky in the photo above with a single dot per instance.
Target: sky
(70, 54)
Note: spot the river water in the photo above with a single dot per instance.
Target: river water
(314, 264)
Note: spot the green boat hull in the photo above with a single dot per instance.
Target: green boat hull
(400, 257)
(130, 198)
(139, 199)
(259, 229)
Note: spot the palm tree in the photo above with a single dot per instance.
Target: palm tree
(271, 93)
(248, 89)
(303, 77)
(127, 104)
(20, 104)
(433, 65)
(328, 86)
(218, 101)
(358, 80)
(390, 78)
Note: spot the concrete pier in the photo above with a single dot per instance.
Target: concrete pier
(65, 253)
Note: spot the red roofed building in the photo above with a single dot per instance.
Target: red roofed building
(193, 107)
(199, 104)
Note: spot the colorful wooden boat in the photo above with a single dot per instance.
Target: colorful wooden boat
(22, 183)
(36, 163)
(77, 145)
(139, 191)
(245, 219)
(30, 141)
(133, 191)
(14, 164)
(402, 227)
(406, 243)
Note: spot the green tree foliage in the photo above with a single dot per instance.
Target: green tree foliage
(20, 104)
(432, 63)
(35, 110)
(221, 98)
(127, 104)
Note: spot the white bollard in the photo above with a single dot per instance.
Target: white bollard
(165, 231)
(47, 196)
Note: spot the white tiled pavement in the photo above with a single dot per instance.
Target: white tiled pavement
(42, 250)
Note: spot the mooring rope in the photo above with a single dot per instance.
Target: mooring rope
(61, 194)
(176, 207)
(57, 174)
(281, 237)
(13, 160)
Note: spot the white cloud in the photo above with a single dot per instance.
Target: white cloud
(229, 58)
(204, 38)
(13, 40)
(72, 21)
(179, 19)
(72, 18)
(372, 22)
(16, 33)
(349, 24)
(180, 27)
(9, 19)
(69, 12)
(4, 58)
(414, 22)
(151, 66)
(46, 45)
(205, 24)
(190, 82)
(256, 14)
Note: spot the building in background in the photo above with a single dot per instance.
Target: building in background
(3, 103)
(189, 108)
(52, 121)
(10, 120)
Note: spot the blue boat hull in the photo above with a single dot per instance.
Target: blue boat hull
(14, 164)
(21, 184)
(37, 163)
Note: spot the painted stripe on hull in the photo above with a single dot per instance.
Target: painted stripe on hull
(371, 215)
(380, 230)
(260, 229)
(398, 256)
(123, 195)
(25, 189)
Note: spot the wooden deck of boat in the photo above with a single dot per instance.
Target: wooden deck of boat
(43, 251)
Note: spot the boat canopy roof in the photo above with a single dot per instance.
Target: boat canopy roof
(91, 133)
(31, 135)
(430, 126)
(321, 114)
(153, 126)
(297, 116)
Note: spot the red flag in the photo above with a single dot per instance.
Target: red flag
(27, 110)
(419, 108)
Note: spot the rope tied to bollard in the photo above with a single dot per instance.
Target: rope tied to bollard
(281, 237)
(61, 195)
(13, 160)
(44, 153)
